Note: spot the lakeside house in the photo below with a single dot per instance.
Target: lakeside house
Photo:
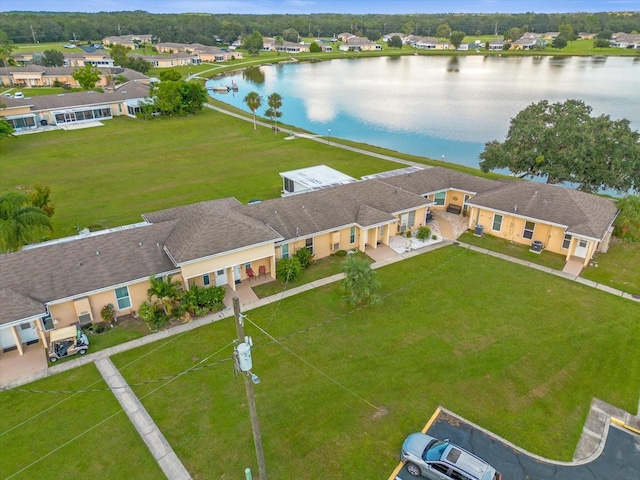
(221, 242)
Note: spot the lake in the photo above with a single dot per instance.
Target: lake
(436, 106)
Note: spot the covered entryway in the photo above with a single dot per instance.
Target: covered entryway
(581, 248)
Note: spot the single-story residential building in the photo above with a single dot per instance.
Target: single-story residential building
(220, 242)
(206, 53)
(312, 178)
(76, 107)
(37, 76)
(173, 60)
(270, 45)
(496, 45)
(97, 59)
(625, 40)
(129, 41)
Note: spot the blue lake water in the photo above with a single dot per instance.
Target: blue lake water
(436, 106)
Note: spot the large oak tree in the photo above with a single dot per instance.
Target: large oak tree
(564, 143)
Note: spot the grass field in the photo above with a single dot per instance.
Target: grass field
(515, 350)
(110, 175)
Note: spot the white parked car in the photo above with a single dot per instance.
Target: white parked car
(18, 95)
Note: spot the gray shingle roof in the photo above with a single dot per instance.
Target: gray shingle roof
(434, 179)
(210, 228)
(34, 276)
(79, 99)
(582, 213)
(369, 201)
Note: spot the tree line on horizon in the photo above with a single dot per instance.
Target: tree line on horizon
(33, 27)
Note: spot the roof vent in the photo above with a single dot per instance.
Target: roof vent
(139, 244)
(515, 208)
(97, 252)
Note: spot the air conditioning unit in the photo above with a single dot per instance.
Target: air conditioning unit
(478, 231)
(536, 246)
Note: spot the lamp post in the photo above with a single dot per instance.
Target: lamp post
(329, 136)
(442, 158)
(242, 356)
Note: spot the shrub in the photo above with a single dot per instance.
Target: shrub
(424, 233)
(288, 269)
(153, 315)
(305, 257)
(341, 253)
(107, 313)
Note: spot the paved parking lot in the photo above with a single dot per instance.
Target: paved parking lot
(620, 459)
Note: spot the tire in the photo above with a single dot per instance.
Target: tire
(53, 359)
(413, 469)
(82, 352)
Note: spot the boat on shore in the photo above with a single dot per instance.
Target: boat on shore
(221, 88)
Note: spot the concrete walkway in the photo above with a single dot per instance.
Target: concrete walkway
(143, 423)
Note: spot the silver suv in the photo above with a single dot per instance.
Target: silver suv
(441, 460)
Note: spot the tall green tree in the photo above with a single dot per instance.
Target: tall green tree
(253, 42)
(178, 98)
(119, 54)
(52, 58)
(443, 31)
(20, 222)
(254, 102)
(291, 35)
(87, 76)
(395, 42)
(170, 74)
(6, 47)
(456, 38)
(627, 223)
(279, 42)
(564, 143)
(275, 103)
(6, 129)
(360, 284)
(138, 64)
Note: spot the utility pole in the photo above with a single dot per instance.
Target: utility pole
(249, 379)
(33, 34)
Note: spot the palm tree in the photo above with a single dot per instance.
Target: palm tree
(279, 42)
(166, 291)
(627, 224)
(275, 102)
(360, 283)
(253, 101)
(20, 222)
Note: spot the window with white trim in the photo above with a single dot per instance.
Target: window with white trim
(352, 235)
(412, 219)
(284, 250)
(308, 244)
(123, 298)
(440, 198)
(528, 230)
(566, 242)
(47, 322)
(496, 226)
(206, 280)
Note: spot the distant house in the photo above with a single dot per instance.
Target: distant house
(427, 43)
(129, 41)
(206, 53)
(28, 114)
(173, 60)
(359, 44)
(496, 45)
(625, 40)
(37, 76)
(270, 45)
(527, 41)
(97, 59)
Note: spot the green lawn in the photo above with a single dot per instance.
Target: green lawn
(519, 352)
(618, 268)
(50, 433)
(110, 175)
(325, 267)
(517, 250)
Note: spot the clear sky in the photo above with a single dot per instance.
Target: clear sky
(323, 6)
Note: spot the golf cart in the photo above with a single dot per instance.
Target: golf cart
(67, 341)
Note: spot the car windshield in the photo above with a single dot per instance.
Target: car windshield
(434, 450)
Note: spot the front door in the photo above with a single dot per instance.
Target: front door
(581, 248)
(404, 221)
(236, 273)
(28, 334)
(221, 277)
